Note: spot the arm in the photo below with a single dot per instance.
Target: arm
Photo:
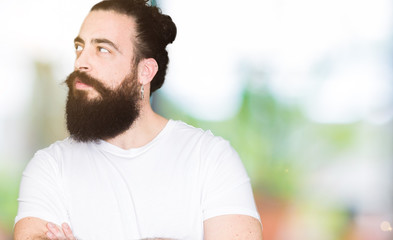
(65, 233)
(217, 228)
(232, 227)
(228, 204)
(35, 228)
(40, 198)
(30, 228)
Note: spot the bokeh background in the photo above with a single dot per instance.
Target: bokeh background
(303, 90)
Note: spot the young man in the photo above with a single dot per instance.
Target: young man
(126, 172)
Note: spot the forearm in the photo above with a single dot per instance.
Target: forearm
(232, 227)
(30, 228)
(64, 232)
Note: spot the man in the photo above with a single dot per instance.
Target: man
(126, 172)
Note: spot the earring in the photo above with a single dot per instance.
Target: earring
(142, 92)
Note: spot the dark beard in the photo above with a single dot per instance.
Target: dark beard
(103, 117)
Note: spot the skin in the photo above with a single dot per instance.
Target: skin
(232, 227)
(104, 50)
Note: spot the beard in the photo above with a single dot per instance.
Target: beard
(103, 117)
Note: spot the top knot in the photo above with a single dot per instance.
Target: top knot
(165, 27)
(168, 29)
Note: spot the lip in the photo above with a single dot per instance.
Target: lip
(81, 85)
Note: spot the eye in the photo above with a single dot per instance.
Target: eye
(78, 48)
(103, 50)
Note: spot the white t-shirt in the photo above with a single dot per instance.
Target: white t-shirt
(165, 189)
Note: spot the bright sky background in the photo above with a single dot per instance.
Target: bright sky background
(331, 56)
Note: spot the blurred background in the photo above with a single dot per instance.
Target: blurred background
(302, 89)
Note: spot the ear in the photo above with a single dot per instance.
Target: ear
(147, 69)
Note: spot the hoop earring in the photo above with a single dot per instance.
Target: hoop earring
(142, 92)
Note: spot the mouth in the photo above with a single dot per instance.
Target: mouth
(81, 85)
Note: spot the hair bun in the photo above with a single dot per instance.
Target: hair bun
(168, 29)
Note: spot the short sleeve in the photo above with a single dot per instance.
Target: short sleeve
(226, 188)
(40, 193)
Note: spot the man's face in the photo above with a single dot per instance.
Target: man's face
(104, 49)
(103, 97)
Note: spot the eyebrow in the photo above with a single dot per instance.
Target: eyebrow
(99, 40)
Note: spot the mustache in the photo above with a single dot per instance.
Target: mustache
(88, 80)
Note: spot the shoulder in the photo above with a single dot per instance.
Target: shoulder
(53, 155)
(206, 137)
(210, 146)
(59, 148)
(181, 128)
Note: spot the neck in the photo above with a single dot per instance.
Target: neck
(145, 128)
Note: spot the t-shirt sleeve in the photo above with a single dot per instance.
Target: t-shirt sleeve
(226, 188)
(40, 193)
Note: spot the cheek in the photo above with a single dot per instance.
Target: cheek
(113, 80)
(113, 74)
(109, 76)
(117, 80)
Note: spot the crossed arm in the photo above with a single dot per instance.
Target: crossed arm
(228, 227)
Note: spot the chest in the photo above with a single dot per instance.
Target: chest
(112, 199)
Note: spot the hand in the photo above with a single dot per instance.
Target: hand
(55, 233)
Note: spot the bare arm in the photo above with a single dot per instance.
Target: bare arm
(232, 227)
(30, 228)
(226, 227)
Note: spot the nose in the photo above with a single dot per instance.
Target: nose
(82, 62)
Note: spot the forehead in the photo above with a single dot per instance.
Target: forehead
(118, 28)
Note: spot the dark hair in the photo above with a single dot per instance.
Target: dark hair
(154, 31)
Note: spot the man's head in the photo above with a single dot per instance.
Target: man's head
(120, 47)
(153, 32)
